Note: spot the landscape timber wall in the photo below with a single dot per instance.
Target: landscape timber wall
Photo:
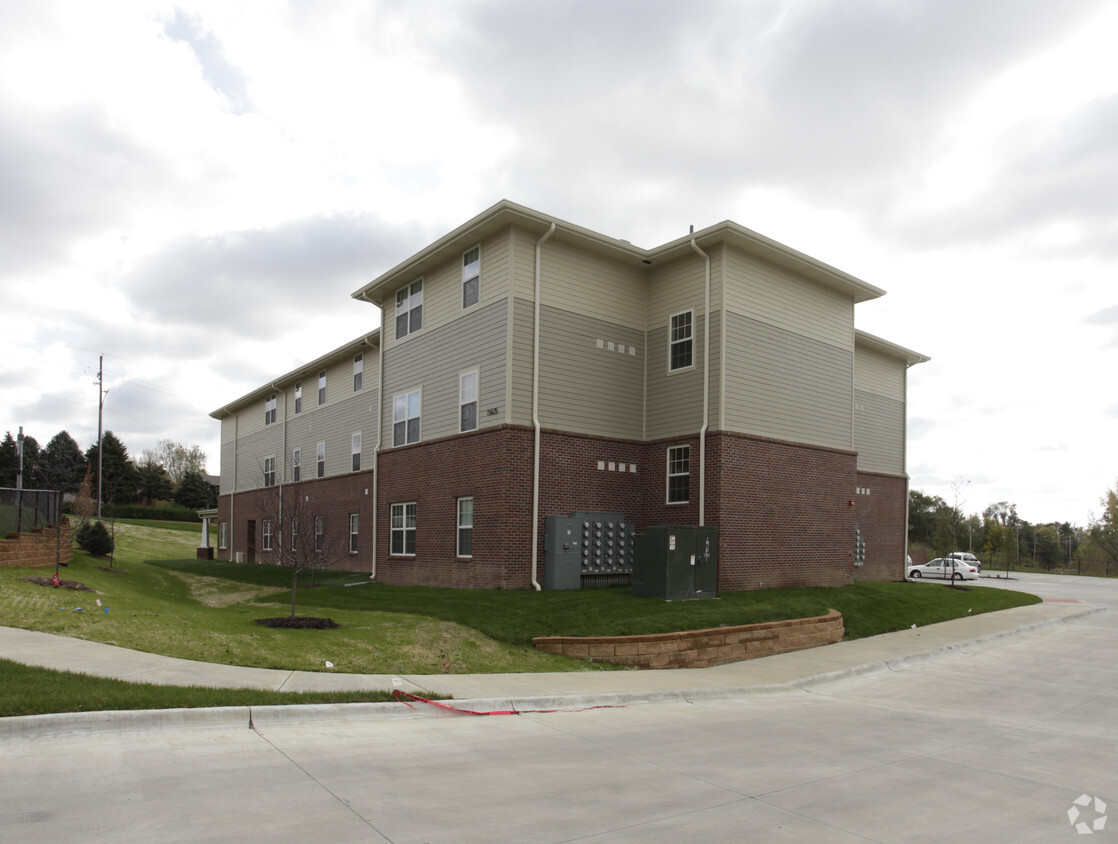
(701, 648)
(38, 547)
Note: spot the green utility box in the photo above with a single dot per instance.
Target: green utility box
(676, 563)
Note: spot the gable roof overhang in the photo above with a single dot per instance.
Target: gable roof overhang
(877, 344)
(364, 341)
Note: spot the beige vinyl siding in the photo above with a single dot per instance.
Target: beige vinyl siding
(521, 363)
(589, 285)
(769, 294)
(680, 286)
(334, 424)
(879, 411)
(228, 453)
(432, 361)
(785, 385)
(585, 388)
(879, 433)
(675, 399)
(442, 290)
(251, 450)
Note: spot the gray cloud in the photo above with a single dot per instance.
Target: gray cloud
(222, 75)
(249, 280)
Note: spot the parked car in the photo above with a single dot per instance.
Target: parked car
(944, 569)
(966, 557)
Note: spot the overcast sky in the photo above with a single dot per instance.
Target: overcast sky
(195, 189)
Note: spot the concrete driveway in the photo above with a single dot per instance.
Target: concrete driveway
(992, 741)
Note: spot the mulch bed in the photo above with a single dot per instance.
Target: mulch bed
(299, 623)
(62, 583)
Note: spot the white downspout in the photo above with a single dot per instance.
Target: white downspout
(706, 391)
(376, 444)
(536, 416)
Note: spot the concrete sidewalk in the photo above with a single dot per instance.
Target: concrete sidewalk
(502, 692)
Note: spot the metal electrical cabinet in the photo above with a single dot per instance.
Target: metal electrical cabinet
(587, 549)
(676, 563)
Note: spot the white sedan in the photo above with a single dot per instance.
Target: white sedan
(944, 570)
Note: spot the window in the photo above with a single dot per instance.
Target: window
(471, 277)
(405, 418)
(322, 387)
(319, 533)
(321, 460)
(298, 396)
(222, 534)
(679, 355)
(403, 529)
(266, 540)
(465, 527)
(270, 471)
(467, 401)
(296, 459)
(409, 309)
(294, 534)
(353, 533)
(355, 451)
(270, 409)
(358, 371)
(679, 474)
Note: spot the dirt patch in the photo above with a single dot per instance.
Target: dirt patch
(218, 592)
(62, 583)
(299, 623)
(112, 571)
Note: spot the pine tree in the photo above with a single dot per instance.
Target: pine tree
(63, 464)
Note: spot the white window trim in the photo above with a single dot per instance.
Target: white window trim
(671, 343)
(405, 396)
(322, 388)
(358, 372)
(320, 464)
(461, 527)
(296, 465)
(353, 528)
(355, 451)
(222, 534)
(270, 405)
(410, 307)
(471, 276)
(668, 474)
(298, 397)
(476, 401)
(266, 535)
(319, 533)
(402, 507)
(272, 459)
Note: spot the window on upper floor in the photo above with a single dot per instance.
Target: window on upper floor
(680, 351)
(270, 409)
(409, 309)
(320, 459)
(679, 474)
(355, 451)
(467, 401)
(269, 471)
(471, 277)
(322, 387)
(358, 371)
(296, 459)
(405, 418)
(298, 396)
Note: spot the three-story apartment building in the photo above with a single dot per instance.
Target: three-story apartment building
(527, 367)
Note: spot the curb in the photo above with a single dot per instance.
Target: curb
(243, 717)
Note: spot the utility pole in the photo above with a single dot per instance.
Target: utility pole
(100, 416)
(19, 482)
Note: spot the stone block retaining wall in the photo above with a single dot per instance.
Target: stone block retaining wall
(36, 547)
(701, 648)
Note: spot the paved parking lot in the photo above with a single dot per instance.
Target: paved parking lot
(989, 741)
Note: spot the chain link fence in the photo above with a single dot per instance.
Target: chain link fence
(26, 509)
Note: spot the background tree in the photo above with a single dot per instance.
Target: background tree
(178, 460)
(154, 482)
(922, 511)
(9, 461)
(120, 484)
(63, 464)
(1103, 531)
(194, 492)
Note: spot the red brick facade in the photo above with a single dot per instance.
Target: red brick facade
(786, 512)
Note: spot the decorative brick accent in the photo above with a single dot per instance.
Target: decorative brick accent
(881, 516)
(38, 547)
(701, 648)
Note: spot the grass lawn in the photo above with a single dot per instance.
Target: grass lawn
(158, 599)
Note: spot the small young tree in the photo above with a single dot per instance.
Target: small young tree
(304, 535)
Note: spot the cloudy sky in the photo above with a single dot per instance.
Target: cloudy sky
(195, 189)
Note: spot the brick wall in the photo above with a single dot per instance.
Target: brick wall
(880, 507)
(701, 648)
(37, 548)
